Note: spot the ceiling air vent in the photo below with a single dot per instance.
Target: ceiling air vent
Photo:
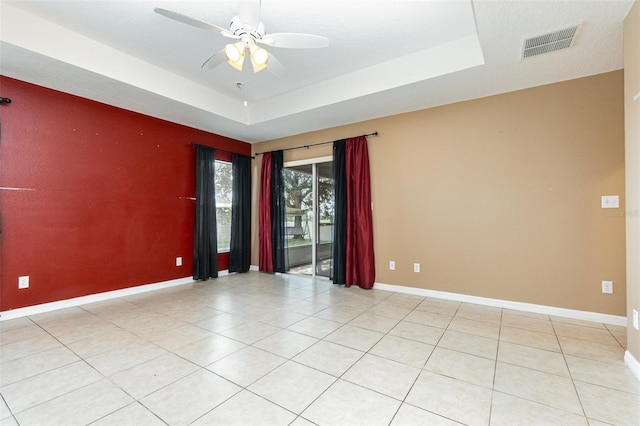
(557, 40)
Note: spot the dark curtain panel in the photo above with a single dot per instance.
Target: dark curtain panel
(360, 263)
(352, 258)
(338, 256)
(278, 214)
(265, 260)
(240, 252)
(205, 238)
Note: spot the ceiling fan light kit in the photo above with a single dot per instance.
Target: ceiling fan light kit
(236, 53)
(259, 58)
(259, 55)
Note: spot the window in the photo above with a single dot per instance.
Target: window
(224, 178)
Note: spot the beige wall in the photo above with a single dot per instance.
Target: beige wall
(498, 197)
(632, 137)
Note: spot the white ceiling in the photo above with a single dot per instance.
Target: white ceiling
(385, 57)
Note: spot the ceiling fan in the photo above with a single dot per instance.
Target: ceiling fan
(249, 31)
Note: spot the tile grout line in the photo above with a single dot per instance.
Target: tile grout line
(376, 302)
(336, 379)
(135, 400)
(423, 366)
(495, 366)
(80, 359)
(573, 383)
(418, 376)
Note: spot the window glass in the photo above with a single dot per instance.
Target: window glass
(224, 187)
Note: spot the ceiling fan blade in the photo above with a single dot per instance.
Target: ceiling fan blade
(294, 40)
(275, 67)
(193, 22)
(249, 12)
(217, 59)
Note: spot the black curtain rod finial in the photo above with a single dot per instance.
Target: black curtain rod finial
(5, 101)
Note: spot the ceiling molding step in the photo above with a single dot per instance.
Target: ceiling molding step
(52, 41)
(446, 58)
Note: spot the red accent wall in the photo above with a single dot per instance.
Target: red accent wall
(102, 197)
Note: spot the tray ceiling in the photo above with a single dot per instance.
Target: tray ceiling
(385, 57)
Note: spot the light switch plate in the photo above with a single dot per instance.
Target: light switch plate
(610, 201)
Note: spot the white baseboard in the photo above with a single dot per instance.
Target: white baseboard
(254, 268)
(518, 306)
(529, 307)
(98, 297)
(632, 363)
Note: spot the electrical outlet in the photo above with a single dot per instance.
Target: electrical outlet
(607, 287)
(416, 267)
(392, 265)
(23, 282)
(635, 319)
(178, 261)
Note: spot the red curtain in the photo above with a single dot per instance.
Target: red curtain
(360, 262)
(265, 262)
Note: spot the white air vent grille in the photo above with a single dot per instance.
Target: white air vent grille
(550, 42)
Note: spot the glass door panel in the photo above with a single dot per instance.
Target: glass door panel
(309, 204)
(324, 228)
(298, 193)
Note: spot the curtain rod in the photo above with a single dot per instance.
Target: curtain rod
(193, 144)
(313, 144)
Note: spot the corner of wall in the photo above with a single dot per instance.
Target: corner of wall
(632, 178)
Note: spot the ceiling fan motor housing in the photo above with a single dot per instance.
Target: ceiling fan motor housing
(240, 29)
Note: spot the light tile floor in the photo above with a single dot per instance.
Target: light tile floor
(288, 350)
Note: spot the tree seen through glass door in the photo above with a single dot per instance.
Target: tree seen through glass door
(302, 225)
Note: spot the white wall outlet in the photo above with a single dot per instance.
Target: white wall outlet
(607, 287)
(392, 265)
(416, 267)
(178, 261)
(635, 319)
(610, 201)
(23, 282)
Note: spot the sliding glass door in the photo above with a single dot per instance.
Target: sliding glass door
(324, 224)
(309, 210)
